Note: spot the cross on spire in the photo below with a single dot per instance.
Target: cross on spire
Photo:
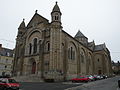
(36, 11)
(56, 2)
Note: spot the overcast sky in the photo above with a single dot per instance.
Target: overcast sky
(99, 20)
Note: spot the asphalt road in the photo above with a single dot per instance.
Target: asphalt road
(47, 86)
(106, 84)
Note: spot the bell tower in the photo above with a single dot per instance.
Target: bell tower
(56, 63)
(19, 49)
(56, 14)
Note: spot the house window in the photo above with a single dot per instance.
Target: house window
(35, 45)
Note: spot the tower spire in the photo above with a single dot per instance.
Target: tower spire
(22, 25)
(56, 13)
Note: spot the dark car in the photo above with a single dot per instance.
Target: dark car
(8, 84)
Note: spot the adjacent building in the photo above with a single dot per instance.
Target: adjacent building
(6, 61)
(43, 48)
(116, 67)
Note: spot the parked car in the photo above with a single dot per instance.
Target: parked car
(81, 79)
(95, 77)
(105, 76)
(92, 78)
(99, 77)
(8, 84)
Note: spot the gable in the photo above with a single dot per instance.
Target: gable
(36, 19)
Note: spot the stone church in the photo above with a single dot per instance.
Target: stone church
(44, 49)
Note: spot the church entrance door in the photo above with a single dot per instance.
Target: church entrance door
(33, 67)
(99, 72)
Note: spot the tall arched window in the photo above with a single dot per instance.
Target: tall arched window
(82, 56)
(35, 45)
(71, 53)
(47, 47)
(30, 48)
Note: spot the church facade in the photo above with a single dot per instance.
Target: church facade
(43, 48)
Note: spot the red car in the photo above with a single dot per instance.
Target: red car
(8, 84)
(81, 79)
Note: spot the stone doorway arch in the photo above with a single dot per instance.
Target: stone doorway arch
(32, 66)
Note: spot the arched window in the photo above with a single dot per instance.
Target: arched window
(98, 60)
(30, 48)
(35, 45)
(71, 53)
(89, 59)
(56, 17)
(47, 47)
(82, 56)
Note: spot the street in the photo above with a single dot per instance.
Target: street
(105, 84)
(47, 86)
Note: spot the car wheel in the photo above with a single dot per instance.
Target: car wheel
(86, 81)
(5, 88)
(8, 89)
(73, 81)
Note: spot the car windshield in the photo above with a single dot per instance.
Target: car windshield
(12, 81)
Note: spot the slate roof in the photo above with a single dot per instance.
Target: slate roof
(80, 34)
(99, 47)
(115, 64)
(56, 8)
(6, 52)
(91, 45)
